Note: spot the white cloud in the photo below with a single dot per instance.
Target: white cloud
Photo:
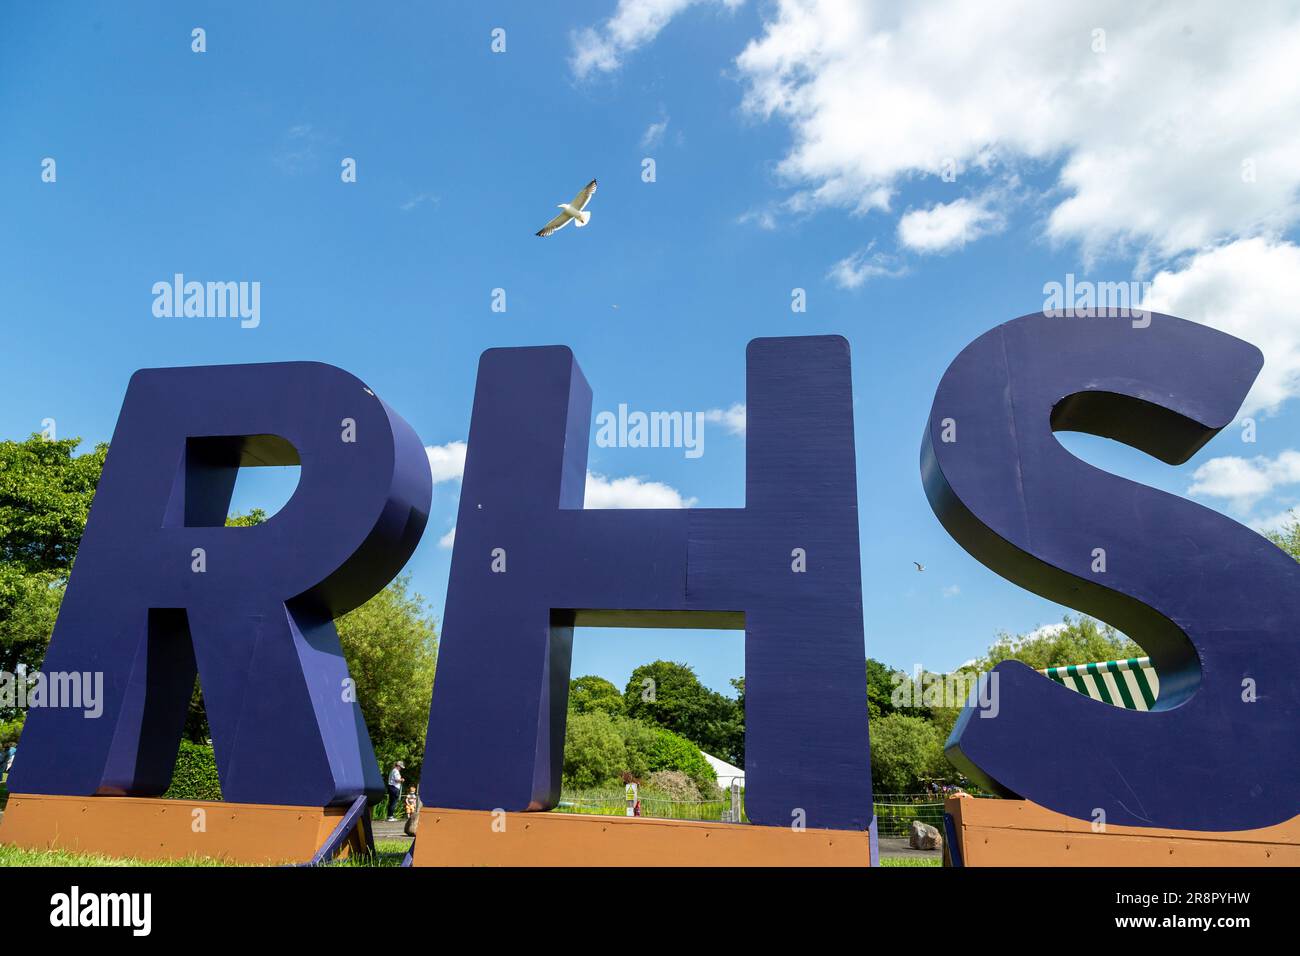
(1151, 134)
(1244, 481)
(633, 24)
(854, 270)
(654, 134)
(1046, 630)
(446, 462)
(297, 149)
(1275, 522)
(420, 199)
(632, 492)
(951, 591)
(947, 226)
(610, 493)
(763, 218)
(1250, 289)
(732, 419)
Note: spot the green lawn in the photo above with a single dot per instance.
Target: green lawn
(911, 861)
(390, 853)
(16, 856)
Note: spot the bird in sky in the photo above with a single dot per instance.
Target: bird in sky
(919, 565)
(571, 211)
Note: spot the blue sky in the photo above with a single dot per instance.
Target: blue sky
(796, 145)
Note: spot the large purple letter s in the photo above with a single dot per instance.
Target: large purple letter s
(1215, 604)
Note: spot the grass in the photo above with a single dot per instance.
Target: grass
(390, 853)
(910, 861)
(17, 856)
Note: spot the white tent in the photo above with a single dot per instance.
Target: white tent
(725, 771)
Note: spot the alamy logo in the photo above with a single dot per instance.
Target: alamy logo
(209, 300)
(651, 430)
(75, 908)
(924, 688)
(1087, 300)
(82, 690)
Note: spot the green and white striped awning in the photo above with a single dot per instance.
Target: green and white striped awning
(1129, 683)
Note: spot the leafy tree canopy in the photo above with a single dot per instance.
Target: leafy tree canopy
(1288, 536)
(1079, 640)
(45, 495)
(391, 646)
(599, 747)
(906, 753)
(589, 693)
(671, 696)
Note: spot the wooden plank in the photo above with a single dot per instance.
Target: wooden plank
(157, 829)
(482, 838)
(1022, 833)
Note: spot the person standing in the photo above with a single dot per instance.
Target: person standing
(394, 788)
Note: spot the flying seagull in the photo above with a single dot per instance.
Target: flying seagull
(571, 211)
(919, 565)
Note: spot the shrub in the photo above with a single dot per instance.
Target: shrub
(638, 742)
(905, 752)
(195, 777)
(673, 785)
(598, 748)
(651, 749)
(677, 753)
(594, 752)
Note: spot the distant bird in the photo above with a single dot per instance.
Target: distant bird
(571, 211)
(919, 565)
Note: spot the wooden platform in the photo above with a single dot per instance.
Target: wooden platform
(1021, 833)
(481, 838)
(157, 829)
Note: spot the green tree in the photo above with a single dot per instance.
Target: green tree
(906, 752)
(590, 693)
(29, 606)
(1288, 536)
(671, 696)
(881, 683)
(391, 647)
(1080, 640)
(668, 751)
(45, 495)
(598, 747)
(254, 517)
(594, 751)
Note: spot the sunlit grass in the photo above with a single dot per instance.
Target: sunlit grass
(390, 853)
(19, 856)
(911, 861)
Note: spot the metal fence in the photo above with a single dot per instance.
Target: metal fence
(896, 811)
(611, 803)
